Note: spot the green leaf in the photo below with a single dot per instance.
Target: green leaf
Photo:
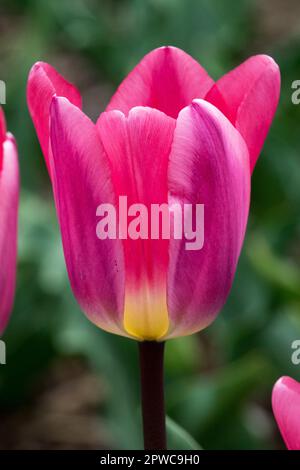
(179, 438)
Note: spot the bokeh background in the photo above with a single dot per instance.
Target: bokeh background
(67, 384)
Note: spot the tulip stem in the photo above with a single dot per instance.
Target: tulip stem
(152, 394)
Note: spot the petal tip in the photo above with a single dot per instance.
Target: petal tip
(267, 59)
(36, 66)
(58, 103)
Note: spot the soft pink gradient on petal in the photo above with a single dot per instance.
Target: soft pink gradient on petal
(167, 79)
(138, 148)
(81, 182)
(248, 96)
(43, 83)
(9, 199)
(286, 409)
(209, 164)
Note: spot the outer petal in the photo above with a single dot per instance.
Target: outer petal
(43, 83)
(167, 79)
(286, 408)
(208, 165)
(138, 148)
(248, 96)
(9, 198)
(81, 182)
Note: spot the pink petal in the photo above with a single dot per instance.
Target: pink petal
(286, 409)
(167, 79)
(81, 182)
(43, 83)
(208, 165)
(248, 96)
(138, 148)
(9, 198)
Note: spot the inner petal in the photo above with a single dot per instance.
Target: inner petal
(138, 148)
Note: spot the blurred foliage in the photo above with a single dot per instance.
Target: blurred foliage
(218, 383)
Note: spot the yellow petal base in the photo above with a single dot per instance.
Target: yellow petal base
(146, 315)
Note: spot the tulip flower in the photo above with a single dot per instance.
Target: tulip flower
(9, 197)
(170, 134)
(286, 409)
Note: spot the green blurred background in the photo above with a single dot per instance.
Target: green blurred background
(66, 383)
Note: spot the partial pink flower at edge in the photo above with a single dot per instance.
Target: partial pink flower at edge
(9, 199)
(286, 409)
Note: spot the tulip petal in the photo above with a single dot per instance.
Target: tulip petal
(167, 79)
(209, 164)
(43, 83)
(248, 96)
(138, 148)
(81, 182)
(9, 199)
(286, 409)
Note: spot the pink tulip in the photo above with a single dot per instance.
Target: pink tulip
(286, 409)
(9, 197)
(169, 134)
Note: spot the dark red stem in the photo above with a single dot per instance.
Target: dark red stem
(152, 393)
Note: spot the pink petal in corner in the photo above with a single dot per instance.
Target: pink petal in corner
(286, 409)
